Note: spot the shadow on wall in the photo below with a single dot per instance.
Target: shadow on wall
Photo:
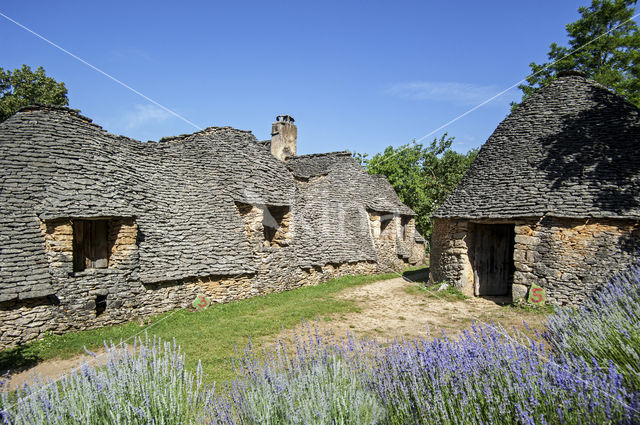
(630, 243)
(596, 156)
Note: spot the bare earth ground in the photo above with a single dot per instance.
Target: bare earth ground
(54, 368)
(387, 312)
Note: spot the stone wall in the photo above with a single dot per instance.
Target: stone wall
(392, 254)
(572, 257)
(97, 297)
(318, 275)
(410, 250)
(78, 292)
(74, 307)
(276, 271)
(449, 255)
(567, 257)
(122, 243)
(166, 296)
(24, 321)
(418, 254)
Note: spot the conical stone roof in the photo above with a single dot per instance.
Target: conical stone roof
(570, 150)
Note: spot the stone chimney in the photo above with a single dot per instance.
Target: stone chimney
(284, 136)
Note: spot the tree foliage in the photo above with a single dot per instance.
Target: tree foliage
(22, 87)
(610, 58)
(423, 176)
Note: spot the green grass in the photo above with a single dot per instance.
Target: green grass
(544, 309)
(211, 335)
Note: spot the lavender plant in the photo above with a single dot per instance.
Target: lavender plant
(485, 377)
(605, 328)
(323, 393)
(143, 384)
(317, 386)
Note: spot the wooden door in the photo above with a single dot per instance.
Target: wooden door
(90, 244)
(493, 258)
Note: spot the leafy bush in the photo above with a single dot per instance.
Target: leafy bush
(143, 384)
(422, 175)
(605, 328)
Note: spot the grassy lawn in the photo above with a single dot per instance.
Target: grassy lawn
(211, 335)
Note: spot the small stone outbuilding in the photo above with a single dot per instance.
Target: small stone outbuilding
(553, 199)
(98, 229)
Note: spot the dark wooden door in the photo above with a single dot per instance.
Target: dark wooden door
(90, 244)
(493, 258)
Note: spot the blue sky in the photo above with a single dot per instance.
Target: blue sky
(355, 75)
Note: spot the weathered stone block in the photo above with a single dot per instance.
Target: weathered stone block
(523, 278)
(519, 292)
(526, 240)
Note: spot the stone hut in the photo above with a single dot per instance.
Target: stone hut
(99, 229)
(552, 200)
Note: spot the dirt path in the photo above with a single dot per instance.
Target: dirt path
(389, 309)
(395, 308)
(55, 368)
(48, 369)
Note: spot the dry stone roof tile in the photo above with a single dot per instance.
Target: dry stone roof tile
(373, 191)
(181, 191)
(570, 150)
(57, 164)
(331, 209)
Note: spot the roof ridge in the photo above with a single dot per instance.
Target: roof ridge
(61, 108)
(203, 132)
(312, 155)
(578, 78)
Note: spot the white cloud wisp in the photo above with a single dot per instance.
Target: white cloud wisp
(145, 114)
(453, 92)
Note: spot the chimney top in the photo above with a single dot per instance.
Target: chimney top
(284, 135)
(285, 118)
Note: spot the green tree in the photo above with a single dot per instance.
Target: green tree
(613, 59)
(24, 87)
(423, 176)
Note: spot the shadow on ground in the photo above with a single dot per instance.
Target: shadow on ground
(499, 300)
(17, 359)
(420, 275)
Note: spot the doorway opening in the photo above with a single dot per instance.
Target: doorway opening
(492, 258)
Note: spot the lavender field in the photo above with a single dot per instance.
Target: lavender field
(588, 375)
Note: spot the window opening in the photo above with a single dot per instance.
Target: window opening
(90, 244)
(404, 221)
(101, 304)
(272, 220)
(385, 220)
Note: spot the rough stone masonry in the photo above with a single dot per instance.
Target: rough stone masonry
(98, 229)
(552, 200)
